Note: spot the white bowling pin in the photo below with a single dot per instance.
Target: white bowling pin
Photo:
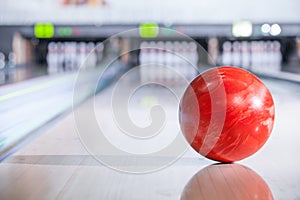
(245, 55)
(227, 53)
(236, 54)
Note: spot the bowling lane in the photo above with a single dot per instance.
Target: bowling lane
(57, 166)
(23, 106)
(29, 106)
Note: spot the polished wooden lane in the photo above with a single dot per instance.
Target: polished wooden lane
(57, 166)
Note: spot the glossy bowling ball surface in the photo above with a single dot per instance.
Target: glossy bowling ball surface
(226, 181)
(226, 114)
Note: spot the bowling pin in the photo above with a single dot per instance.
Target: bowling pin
(266, 68)
(185, 52)
(152, 64)
(81, 53)
(74, 64)
(160, 62)
(236, 54)
(67, 56)
(168, 61)
(260, 55)
(2, 60)
(99, 52)
(194, 59)
(52, 58)
(227, 53)
(91, 59)
(61, 56)
(142, 60)
(245, 55)
(11, 60)
(277, 56)
(254, 55)
(179, 61)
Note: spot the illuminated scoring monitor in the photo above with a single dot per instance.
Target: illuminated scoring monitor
(242, 29)
(44, 30)
(149, 30)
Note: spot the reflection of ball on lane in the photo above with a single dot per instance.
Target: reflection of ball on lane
(226, 181)
(234, 125)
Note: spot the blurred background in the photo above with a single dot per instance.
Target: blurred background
(45, 43)
(48, 37)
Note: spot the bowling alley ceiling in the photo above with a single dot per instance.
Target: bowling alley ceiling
(137, 11)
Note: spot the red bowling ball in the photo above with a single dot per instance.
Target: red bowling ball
(226, 114)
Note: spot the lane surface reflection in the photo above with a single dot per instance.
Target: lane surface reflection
(226, 181)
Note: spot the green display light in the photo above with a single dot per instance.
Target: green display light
(44, 30)
(64, 31)
(149, 30)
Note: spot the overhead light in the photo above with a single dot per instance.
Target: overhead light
(265, 28)
(242, 29)
(275, 29)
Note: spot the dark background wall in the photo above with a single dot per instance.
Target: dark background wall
(6, 38)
